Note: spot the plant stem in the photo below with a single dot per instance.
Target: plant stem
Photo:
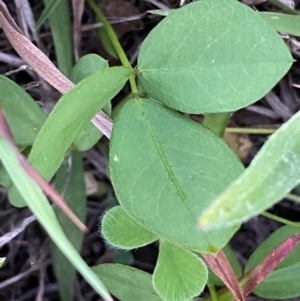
(284, 7)
(280, 219)
(293, 197)
(223, 295)
(255, 131)
(216, 122)
(115, 42)
(212, 291)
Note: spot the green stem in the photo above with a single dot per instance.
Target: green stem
(284, 7)
(255, 131)
(293, 197)
(216, 122)
(212, 291)
(223, 295)
(280, 219)
(115, 42)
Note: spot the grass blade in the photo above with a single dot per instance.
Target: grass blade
(38, 204)
(61, 30)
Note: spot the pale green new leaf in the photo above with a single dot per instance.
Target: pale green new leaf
(166, 169)
(179, 274)
(40, 207)
(23, 114)
(212, 56)
(69, 181)
(283, 23)
(122, 231)
(271, 175)
(127, 283)
(283, 282)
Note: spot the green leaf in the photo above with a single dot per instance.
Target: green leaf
(88, 137)
(85, 67)
(123, 257)
(236, 266)
(271, 175)
(120, 230)
(166, 169)
(15, 198)
(283, 282)
(40, 207)
(23, 114)
(69, 117)
(283, 23)
(69, 180)
(217, 60)
(61, 31)
(47, 12)
(275, 239)
(127, 283)
(280, 284)
(71, 114)
(4, 178)
(105, 41)
(179, 274)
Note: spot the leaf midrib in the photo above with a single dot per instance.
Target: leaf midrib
(163, 158)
